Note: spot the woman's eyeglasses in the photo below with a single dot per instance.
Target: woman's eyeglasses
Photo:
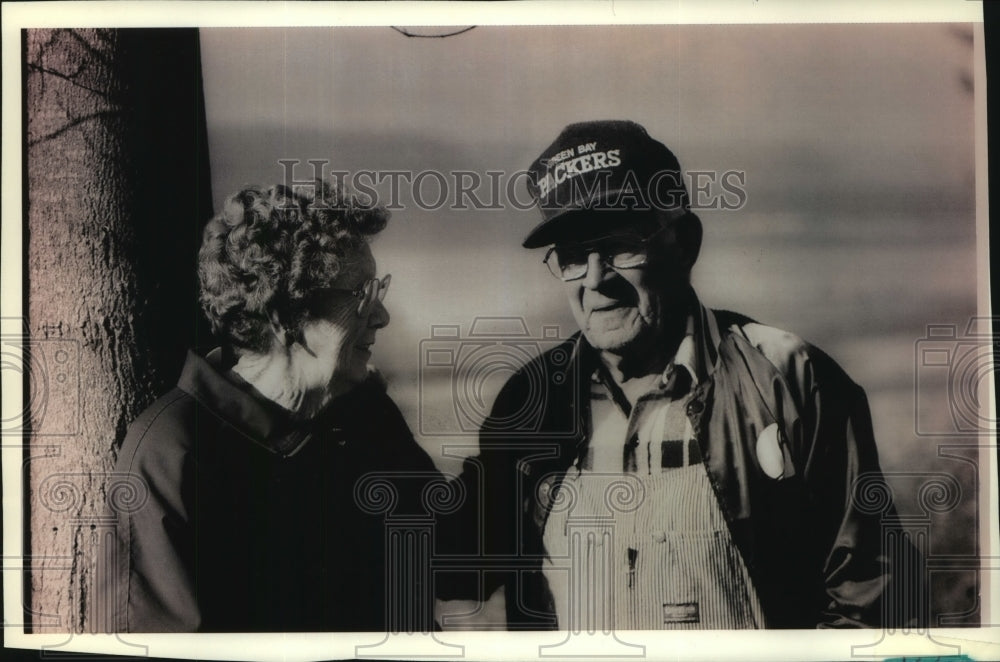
(367, 293)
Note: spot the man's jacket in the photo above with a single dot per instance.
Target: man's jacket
(816, 539)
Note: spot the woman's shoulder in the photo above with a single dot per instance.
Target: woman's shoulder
(162, 434)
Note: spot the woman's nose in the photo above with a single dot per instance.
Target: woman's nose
(379, 315)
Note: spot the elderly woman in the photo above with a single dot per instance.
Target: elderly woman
(252, 462)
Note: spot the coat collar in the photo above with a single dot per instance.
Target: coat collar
(233, 400)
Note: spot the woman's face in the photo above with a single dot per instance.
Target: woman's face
(336, 337)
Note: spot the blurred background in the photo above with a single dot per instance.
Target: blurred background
(858, 229)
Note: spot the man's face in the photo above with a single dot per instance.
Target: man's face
(625, 310)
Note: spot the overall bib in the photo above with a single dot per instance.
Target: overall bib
(635, 537)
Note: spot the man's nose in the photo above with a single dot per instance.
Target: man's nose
(379, 316)
(595, 271)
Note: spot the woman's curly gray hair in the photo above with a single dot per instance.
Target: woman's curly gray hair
(269, 249)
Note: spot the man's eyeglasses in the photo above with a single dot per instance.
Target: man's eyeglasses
(570, 261)
(366, 293)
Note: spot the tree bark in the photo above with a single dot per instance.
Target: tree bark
(117, 191)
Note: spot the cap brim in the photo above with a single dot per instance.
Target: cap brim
(571, 223)
(564, 224)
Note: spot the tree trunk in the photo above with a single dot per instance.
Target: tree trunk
(117, 192)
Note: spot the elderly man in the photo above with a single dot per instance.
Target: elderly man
(680, 467)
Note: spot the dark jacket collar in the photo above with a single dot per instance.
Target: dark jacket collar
(262, 422)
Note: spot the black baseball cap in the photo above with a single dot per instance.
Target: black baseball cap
(606, 165)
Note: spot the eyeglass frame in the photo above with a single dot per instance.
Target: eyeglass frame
(606, 261)
(379, 286)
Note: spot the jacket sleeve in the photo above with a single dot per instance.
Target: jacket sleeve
(871, 572)
(488, 518)
(153, 580)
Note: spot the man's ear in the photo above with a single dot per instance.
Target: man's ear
(689, 233)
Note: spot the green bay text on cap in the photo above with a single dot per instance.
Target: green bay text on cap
(602, 165)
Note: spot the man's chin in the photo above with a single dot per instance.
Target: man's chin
(611, 341)
(612, 333)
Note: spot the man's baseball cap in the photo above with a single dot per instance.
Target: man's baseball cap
(607, 165)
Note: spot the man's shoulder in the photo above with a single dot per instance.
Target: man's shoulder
(549, 377)
(552, 363)
(797, 359)
(778, 345)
